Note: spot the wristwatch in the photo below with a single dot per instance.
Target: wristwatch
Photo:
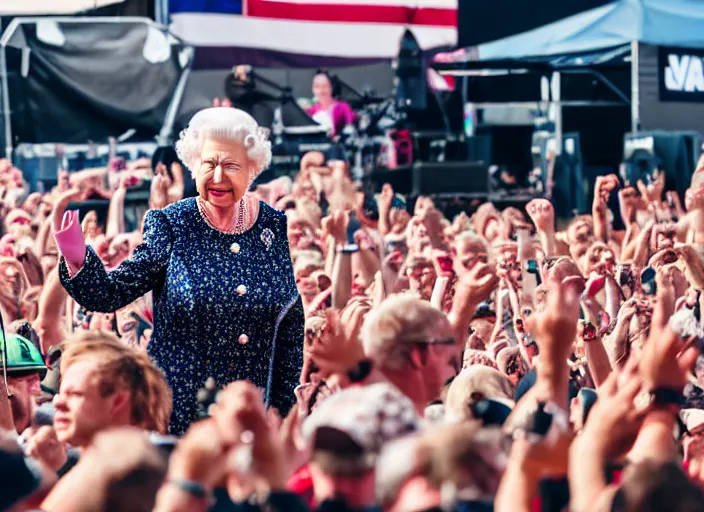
(589, 332)
(348, 249)
(660, 398)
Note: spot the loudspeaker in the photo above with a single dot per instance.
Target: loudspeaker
(435, 178)
(674, 152)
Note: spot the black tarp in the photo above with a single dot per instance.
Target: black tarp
(96, 85)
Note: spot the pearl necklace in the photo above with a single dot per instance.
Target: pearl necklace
(241, 223)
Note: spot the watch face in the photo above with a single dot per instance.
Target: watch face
(642, 401)
(589, 332)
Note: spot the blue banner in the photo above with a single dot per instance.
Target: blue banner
(207, 6)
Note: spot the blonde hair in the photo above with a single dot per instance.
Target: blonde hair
(389, 330)
(306, 259)
(487, 382)
(225, 124)
(120, 366)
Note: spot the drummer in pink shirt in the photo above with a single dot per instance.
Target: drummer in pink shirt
(328, 111)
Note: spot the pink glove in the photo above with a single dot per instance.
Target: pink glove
(71, 242)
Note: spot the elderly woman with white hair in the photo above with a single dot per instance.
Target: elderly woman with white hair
(224, 294)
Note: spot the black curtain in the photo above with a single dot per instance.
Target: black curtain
(96, 85)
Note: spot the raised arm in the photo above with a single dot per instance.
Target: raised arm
(97, 290)
(116, 212)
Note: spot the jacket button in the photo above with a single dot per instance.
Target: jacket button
(241, 289)
(243, 339)
(235, 248)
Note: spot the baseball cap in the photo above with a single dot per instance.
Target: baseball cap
(22, 355)
(357, 422)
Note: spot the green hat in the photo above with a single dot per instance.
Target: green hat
(22, 355)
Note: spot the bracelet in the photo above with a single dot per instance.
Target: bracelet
(361, 372)
(195, 489)
(348, 249)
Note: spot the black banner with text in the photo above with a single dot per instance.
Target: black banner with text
(681, 74)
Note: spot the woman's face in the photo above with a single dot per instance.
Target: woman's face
(223, 176)
(322, 88)
(90, 225)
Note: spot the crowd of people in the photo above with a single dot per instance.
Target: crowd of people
(503, 360)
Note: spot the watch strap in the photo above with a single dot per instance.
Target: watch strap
(195, 489)
(666, 397)
(348, 248)
(361, 371)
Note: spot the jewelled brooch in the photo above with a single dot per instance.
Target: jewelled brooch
(268, 237)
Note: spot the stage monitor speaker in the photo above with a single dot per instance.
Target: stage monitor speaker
(450, 178)
(435, 178)
(674, 152)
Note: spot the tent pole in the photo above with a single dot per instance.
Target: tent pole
(635, 86)
(557, 104)
(6, 103)
(161, 12)
(165, 136)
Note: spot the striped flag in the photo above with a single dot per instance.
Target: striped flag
(309, 33)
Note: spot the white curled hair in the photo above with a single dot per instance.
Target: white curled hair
(225, 124)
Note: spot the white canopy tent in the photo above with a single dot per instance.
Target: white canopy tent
(44, 7)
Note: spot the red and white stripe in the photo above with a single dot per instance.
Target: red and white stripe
(329, 28)
(433, 13)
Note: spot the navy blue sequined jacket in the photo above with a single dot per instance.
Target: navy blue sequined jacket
(225, 305)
